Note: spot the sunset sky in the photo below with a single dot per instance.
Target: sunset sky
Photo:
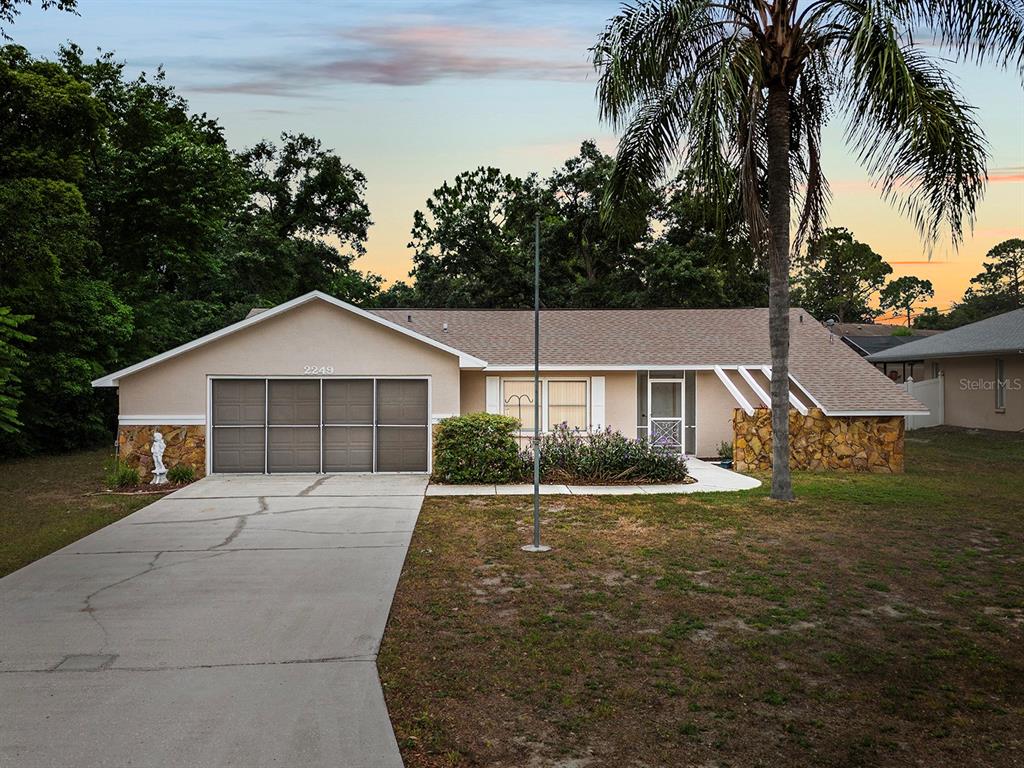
(414, 93)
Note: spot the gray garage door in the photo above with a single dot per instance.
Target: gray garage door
(239, 425)
(314, 425)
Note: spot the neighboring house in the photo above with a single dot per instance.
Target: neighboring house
(318, 385)
(868, 338)
(982, 365)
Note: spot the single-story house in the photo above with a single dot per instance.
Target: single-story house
(319, 385)
(868, 338)
(982, 367)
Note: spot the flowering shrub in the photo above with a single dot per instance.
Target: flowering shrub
(478, 448)
(569, 456)
(482, 448)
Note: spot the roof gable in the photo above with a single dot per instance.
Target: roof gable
(111, 379)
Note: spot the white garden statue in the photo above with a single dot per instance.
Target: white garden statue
(159, 470)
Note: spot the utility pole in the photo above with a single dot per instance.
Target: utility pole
(536, 546)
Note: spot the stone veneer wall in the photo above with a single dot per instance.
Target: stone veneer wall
(817, 441)
(186, 444)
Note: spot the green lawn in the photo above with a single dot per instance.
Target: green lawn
(45, 504)
(877, 621)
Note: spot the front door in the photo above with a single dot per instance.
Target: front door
(666, 415)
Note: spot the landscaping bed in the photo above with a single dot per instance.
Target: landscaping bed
(877, 621)
(482, 448)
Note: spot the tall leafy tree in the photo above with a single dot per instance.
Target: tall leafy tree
(742, 88)
(904, 293)
(12, 362)
(49, 251)
(701, 257)
(165, 193)
(1003, 278)
(304, 226)
(838, 276)
(997, 289)
(473, 244)
(592, 251)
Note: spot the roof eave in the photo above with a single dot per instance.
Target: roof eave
(885, 357)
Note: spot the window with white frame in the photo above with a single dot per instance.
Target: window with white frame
(562, 401)
(517, 401)
(567, 403)
(1000, 385)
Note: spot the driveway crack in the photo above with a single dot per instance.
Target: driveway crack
(314, 486)
(91, 610)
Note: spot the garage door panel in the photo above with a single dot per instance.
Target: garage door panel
(348, 449)
(402, 449)
(239, 401)
(293, 449)
(313, 425)
(294, 402)
(238, 449)
(401, 401)
(348, 401)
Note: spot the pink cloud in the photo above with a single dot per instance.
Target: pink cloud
(415, 54)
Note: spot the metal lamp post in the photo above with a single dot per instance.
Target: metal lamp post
(536, 546)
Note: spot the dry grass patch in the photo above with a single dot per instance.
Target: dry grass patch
(47, 502)
(876, 621)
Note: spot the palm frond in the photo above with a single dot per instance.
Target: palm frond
(910, 127)
(811, 110)
(650, 43)
(977, 30)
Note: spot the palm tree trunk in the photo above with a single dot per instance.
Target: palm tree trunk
(779, 196)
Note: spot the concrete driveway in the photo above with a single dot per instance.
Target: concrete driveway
(233, 623)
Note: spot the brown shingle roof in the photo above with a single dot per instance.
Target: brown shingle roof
(836, 376)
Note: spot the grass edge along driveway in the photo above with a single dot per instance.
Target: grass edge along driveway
(47, 502)
(877, 621)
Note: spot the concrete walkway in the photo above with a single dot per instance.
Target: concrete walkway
(710, 478)
(233, 623)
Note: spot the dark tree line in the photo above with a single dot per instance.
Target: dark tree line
(997, 289)
(127, 226)
(473, 245)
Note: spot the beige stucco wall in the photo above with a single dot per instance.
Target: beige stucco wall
(714, 403)
(619, 393)
(312, 334)
(714, 413)
(970, 398)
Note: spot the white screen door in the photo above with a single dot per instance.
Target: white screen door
(666, 415)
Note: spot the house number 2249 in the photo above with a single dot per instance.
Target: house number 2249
(317, 370)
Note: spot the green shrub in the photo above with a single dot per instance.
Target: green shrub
(181, 474)
(901, 330)
(725, 450)
(478, 448)
(120, 475)
(567, 456)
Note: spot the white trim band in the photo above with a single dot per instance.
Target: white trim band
(159, 420)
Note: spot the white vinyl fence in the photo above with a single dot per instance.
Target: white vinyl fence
(931, 393)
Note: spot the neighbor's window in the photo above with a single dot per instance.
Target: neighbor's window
(1000, 385)
(518, 401)
(567, 402)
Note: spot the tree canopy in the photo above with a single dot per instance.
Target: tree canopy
(838, 276)
(473, 245)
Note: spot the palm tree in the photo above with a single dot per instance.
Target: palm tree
(740, 89)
